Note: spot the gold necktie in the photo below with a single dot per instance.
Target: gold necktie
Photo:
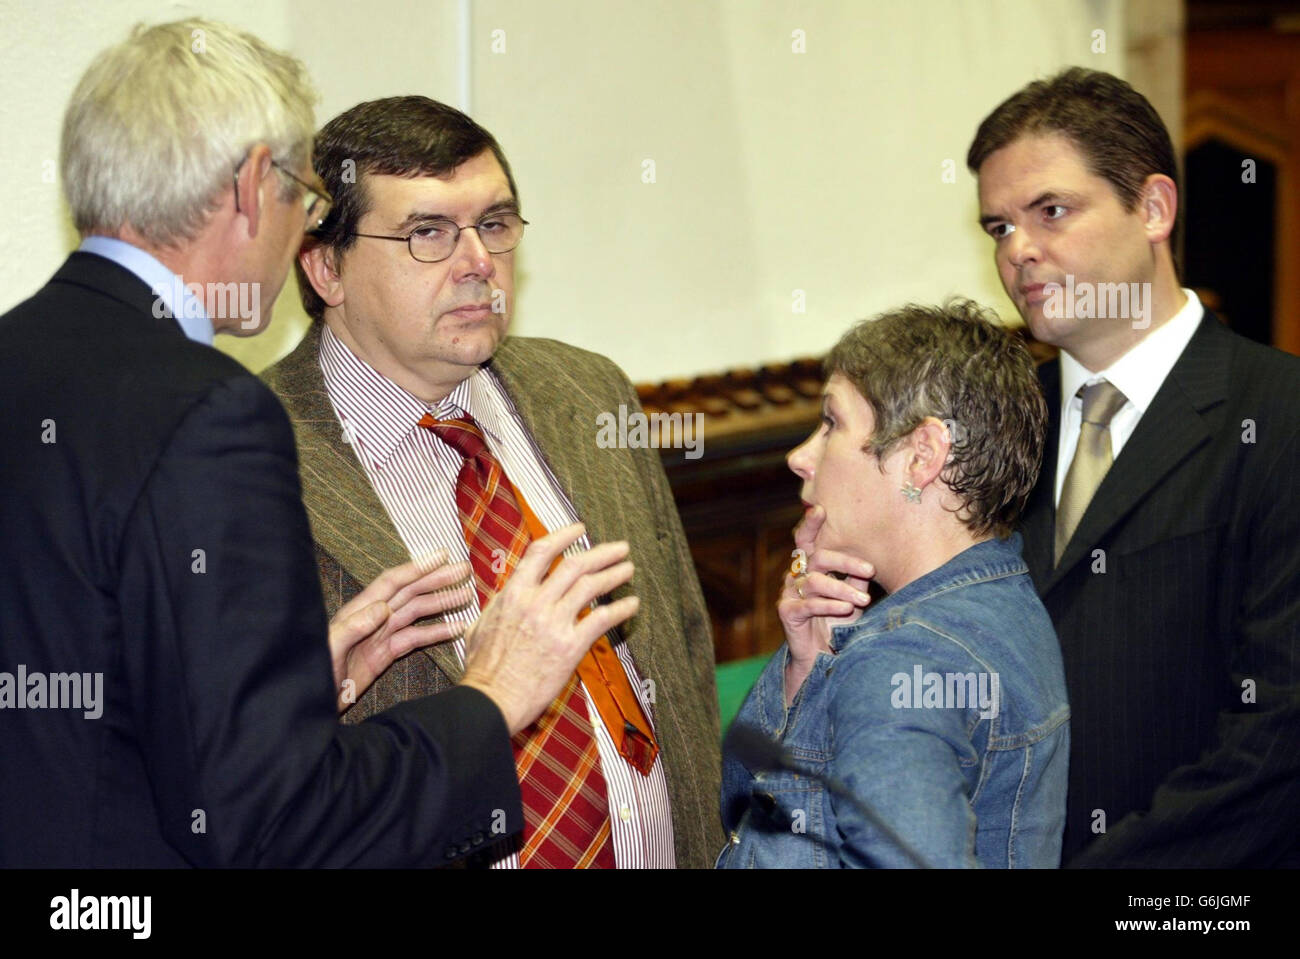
(1092, 458)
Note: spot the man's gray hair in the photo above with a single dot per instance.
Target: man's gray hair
(158, 123)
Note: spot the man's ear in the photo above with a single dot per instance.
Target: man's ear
(320, 263)
(1158, 204)
(249, 182)
(928, 451)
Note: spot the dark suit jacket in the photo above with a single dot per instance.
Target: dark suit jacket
(558, 391)
(1181, 638)
(154, 534)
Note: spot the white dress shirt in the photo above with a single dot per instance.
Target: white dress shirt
(414, 474)
(1138, 374)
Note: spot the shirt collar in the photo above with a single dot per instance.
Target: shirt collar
(1140, 372)
(380, 415)
(168, 288)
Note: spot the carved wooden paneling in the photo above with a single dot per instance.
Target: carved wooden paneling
(738, 500)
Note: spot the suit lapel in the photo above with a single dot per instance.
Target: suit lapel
(348, 521)
(1170, 430)
(601, 487)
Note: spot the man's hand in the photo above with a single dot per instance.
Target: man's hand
(815, 601)
(527, 643)
(375, 628)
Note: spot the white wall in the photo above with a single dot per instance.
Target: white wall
(775, 171)
(355, 51)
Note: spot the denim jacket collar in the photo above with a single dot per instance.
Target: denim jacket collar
(991, 559)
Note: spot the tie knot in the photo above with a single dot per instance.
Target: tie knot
(1101, 402)
(461, 434)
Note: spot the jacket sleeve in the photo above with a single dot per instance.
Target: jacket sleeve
(697, 630)
(226, 657)
(1239, 804)
(698, 704)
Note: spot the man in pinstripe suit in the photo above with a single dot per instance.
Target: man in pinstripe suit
(412, 332)
(1164, 535)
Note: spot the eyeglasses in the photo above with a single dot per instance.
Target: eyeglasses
(316, 203)
(436, 240)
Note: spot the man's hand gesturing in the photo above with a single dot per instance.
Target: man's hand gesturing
(381, 623)
(527, 643)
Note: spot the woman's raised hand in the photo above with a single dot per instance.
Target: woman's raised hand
(813, 601)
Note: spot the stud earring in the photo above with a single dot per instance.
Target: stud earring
(912, 493)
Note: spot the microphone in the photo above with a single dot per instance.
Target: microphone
(753, 748)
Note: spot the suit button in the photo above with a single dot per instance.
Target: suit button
(449, 852)
(478, 839)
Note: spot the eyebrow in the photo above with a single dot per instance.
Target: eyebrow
(1048, 198)
(509, 205)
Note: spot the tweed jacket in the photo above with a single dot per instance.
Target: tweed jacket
(558, 391)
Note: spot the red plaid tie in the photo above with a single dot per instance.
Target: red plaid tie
(566, 806)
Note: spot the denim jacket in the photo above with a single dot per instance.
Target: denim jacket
(943, 708)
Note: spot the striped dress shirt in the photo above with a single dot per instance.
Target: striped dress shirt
(414, 474)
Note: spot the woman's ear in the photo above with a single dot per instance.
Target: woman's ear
(930, 444)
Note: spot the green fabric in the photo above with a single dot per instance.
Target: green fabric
(735, 679)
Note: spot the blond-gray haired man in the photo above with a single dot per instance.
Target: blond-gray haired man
(165, 687)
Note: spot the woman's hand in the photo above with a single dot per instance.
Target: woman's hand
(815, 601)
(378, 625)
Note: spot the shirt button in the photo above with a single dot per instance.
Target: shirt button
(624, 812)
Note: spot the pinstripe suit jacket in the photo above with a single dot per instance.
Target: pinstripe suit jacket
(619, 494)
(1181, 637)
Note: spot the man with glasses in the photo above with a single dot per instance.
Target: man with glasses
(165, 678)
(421, 426)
